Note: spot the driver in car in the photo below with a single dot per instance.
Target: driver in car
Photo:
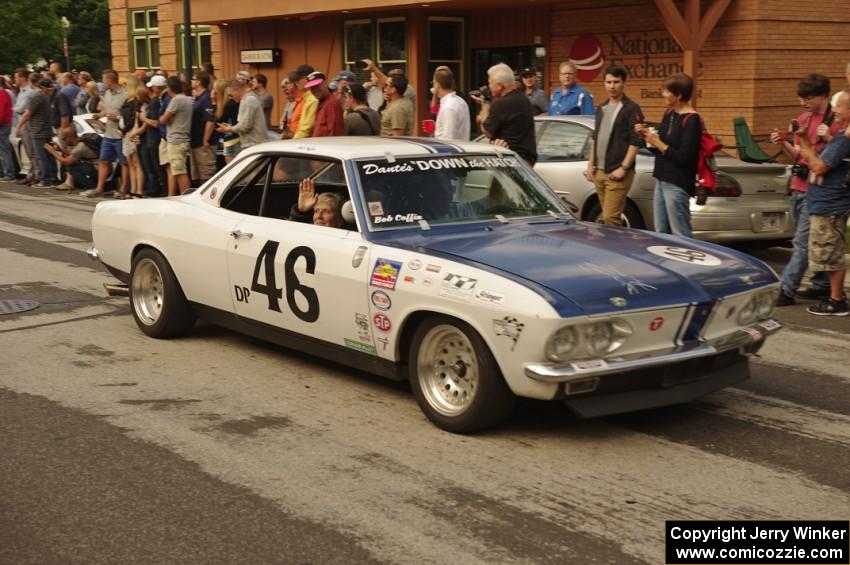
(323, 209)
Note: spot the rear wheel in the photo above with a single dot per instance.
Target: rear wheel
(159, 306)
(455, 378)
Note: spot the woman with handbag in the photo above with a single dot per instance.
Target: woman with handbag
(676, 146)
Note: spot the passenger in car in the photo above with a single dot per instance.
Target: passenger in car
(323, 209)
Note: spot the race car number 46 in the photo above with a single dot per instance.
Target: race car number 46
(685, 255)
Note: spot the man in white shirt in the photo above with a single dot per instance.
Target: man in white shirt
(453, 117)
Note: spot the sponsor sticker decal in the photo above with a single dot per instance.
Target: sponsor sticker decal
(376, 208)
(381, 300)
(427, 281)
(364, 333)
(618, 301)
(656, 324)
(415, 265)
(364, 347)
(770, 325)
(457, 286)
(509, 327)
(685, 255)
(213, 193)
(385, 273)
(382, 322)
(432, 268)
(489, 297)
(756, 335)
(385, 341)
(409, 279)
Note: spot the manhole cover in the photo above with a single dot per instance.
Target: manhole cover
(15, 306)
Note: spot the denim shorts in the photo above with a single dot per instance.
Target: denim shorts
(111, 149)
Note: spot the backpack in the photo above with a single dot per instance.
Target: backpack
(92, 141)
(706, 164)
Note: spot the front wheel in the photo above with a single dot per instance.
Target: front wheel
(631, 215)
(158, 304)
(455, 378)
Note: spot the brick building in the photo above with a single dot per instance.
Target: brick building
(749, 53)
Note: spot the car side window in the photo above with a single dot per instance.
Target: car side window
(563, 141)
(245, 193)
(287, 174)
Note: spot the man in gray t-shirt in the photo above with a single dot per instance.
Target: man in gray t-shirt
(178, 121)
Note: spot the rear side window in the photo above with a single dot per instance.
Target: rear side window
(563, 141)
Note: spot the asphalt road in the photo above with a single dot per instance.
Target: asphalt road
(115, 448)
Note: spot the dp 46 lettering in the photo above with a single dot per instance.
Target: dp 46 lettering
(265, 263)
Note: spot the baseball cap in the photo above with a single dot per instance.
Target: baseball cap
(332, 86)
(345, 75)
(314, 79)
(157, 80)
(528, 71)
(304, 70)
(357, 92)
(243, 75)
(45, 83)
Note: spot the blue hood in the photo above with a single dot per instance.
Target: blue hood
(587, 268)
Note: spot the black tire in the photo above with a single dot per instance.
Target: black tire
(632, 215)
(469, 394)
(158, 304)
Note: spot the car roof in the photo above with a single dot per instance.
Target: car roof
(357, 147)
(584, 120)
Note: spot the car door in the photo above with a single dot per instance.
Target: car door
(299, 277)
(562, 153)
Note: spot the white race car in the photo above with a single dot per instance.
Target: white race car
(456, 267)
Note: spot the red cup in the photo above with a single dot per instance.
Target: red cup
(428, 127)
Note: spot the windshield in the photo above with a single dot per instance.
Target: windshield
(450, 189)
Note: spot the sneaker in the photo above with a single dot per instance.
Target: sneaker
(785, 300)
(42, 185)
(91, 193)
(830, 307)
(813, 293)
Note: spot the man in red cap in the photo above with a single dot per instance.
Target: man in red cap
(329, 121)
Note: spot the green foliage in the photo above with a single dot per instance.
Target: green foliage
(29, 30)
(32, 30)
(88, 41)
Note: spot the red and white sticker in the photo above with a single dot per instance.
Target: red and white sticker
(382, 322)
(656, 324)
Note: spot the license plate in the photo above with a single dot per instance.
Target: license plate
(771, 221)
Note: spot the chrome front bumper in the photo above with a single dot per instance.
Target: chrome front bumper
(748, 340)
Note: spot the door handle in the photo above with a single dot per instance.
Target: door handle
(239, 234)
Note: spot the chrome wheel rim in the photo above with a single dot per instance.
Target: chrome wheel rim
(447, 368)
(148, 291)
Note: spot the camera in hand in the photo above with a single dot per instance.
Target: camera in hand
(360, 65)
(483, 93)
(801, 171)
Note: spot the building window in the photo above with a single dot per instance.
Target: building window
(384, 40)
(144, 38)
(446, 46)
(201, 46)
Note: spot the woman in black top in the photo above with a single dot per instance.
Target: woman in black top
(676, 146)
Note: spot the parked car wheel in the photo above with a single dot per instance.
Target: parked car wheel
(455, 378)
(159, 306)
(631, 215)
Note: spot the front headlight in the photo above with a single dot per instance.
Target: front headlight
(591, 340)
(765, 304)
(562, 343)
(760, 306)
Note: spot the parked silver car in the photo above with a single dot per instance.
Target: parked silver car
(749, 203)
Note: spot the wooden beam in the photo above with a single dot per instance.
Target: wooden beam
(712, 16)
(675, 23)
